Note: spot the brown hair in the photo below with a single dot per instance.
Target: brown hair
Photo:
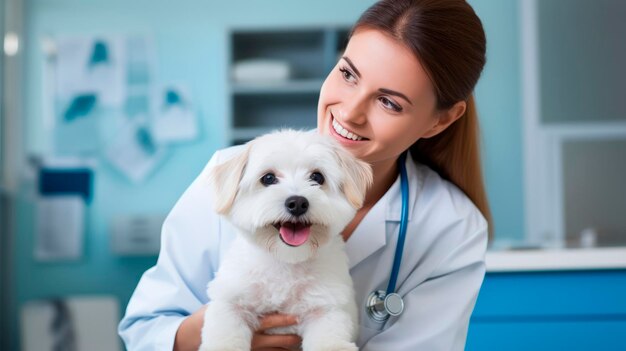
(448, 39)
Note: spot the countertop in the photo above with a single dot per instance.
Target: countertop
(556, 259)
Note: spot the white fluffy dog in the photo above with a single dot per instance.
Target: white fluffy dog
(289, 194)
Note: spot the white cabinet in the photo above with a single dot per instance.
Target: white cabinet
(574, 74)
(258, 105)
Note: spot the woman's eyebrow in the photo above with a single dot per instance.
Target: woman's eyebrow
(358, 74)
(382, 90)
(392, 92)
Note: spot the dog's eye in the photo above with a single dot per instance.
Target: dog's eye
(317, 177)
(269, 179)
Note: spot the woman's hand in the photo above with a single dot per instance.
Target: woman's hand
(271, 342)
(189, 333)
(188, 336)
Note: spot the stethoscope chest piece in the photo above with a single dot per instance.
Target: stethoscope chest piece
(381, 305)
(384, 303)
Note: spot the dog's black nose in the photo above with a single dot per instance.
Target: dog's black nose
(297, 205)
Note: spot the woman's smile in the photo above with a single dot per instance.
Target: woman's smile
(343, 134)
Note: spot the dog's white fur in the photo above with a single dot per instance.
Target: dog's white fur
(260, 273)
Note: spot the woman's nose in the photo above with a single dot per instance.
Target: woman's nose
(353, 110)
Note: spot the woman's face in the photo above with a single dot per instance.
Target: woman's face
(380, 94)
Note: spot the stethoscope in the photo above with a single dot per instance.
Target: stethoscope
(382, 304)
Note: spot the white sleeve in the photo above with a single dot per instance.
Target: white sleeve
(176, 286)
(437, 311)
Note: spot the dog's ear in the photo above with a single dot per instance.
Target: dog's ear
(225, 178)
(358, 177)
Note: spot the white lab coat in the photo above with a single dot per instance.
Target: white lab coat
(441, 273)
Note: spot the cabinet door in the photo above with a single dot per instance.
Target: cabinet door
(582, 51)
(594, 195)
(578, 310)
(574, 335)
(575, 122)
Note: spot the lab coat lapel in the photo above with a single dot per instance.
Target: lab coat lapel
(394, 194)
(370, 235)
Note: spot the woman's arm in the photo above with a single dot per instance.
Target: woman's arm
(176, 286)
(188, 334)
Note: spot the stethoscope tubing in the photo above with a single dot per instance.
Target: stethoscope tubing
(397, 259)
(380, 304)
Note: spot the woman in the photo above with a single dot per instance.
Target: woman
(405, 82)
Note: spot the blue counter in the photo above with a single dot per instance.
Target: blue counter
(571, 309)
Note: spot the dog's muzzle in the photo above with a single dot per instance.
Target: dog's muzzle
(297, 205)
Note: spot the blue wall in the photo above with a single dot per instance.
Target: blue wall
(191, 41)
(499, 97)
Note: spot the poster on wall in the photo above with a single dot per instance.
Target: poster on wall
(134, 151)
(90, 77)
(174, 119)
(104, 101)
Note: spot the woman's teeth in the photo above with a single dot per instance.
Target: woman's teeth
(345, 133)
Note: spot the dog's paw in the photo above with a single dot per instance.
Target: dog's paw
(338, 346)
(347, 347)
(214, 347)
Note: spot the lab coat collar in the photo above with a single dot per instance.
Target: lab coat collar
(394, 198)
(370, 235)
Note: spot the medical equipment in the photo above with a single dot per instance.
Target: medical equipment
(382, 304)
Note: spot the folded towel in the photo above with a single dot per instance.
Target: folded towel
(261, 70)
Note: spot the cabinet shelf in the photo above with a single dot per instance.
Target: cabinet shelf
(287, 87)
(256, 108)
(597, 129)
(243, 133)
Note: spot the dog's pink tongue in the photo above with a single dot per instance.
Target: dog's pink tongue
(294, 234)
